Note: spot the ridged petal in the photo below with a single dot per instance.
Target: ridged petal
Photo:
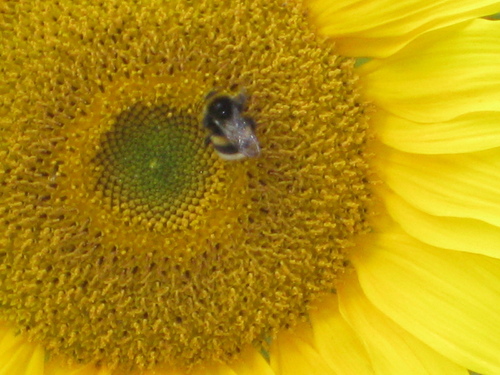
(251, 362)
(163, 372)
(452, 233)
(467, 133)
(291, 354)
(441, 75)
(55, 367)
(461, 185)
(221, 369)
(18, 356)
(58, 368)
(448, 299)
(393, 350)
(36, 364)
(337, 342)
(379, 28)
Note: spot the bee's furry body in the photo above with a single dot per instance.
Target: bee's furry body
(231, 134)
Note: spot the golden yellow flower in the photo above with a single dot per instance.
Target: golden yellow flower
(363, 239)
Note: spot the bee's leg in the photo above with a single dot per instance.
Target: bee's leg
(208, 140)
(211, 125)
(250, 121)
(210, 94)
(240, 100)
(207, 122)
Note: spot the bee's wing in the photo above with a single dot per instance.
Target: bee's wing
(240, 132)
(250, 147)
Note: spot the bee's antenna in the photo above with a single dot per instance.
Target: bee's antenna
(211, 94)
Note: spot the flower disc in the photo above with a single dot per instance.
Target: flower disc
(151, 161)
(125, 239)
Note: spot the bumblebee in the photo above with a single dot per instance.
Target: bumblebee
(231, 134)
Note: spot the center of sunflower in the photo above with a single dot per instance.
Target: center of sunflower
(126, 240)
(151, 160)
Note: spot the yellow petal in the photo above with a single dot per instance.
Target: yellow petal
(19, 356)
(462, 185)
(452, 233)
(162, 372)
(36, 363)
(378, 28)
(336, 341)
(467, 133)
(219, 369)
(57, 368)
(441, 75)
(291, 354)
(251, 362)
(393, 350)
(448, 299)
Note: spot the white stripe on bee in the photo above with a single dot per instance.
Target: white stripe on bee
(237, 156)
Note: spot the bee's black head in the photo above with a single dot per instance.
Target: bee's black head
(222, 108)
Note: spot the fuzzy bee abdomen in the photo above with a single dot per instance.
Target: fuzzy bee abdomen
(225, 149)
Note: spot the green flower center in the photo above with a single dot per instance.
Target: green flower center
(152, 160)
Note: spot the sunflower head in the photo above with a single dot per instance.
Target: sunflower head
(128, 241)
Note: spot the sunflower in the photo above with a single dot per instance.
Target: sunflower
(362, 240)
